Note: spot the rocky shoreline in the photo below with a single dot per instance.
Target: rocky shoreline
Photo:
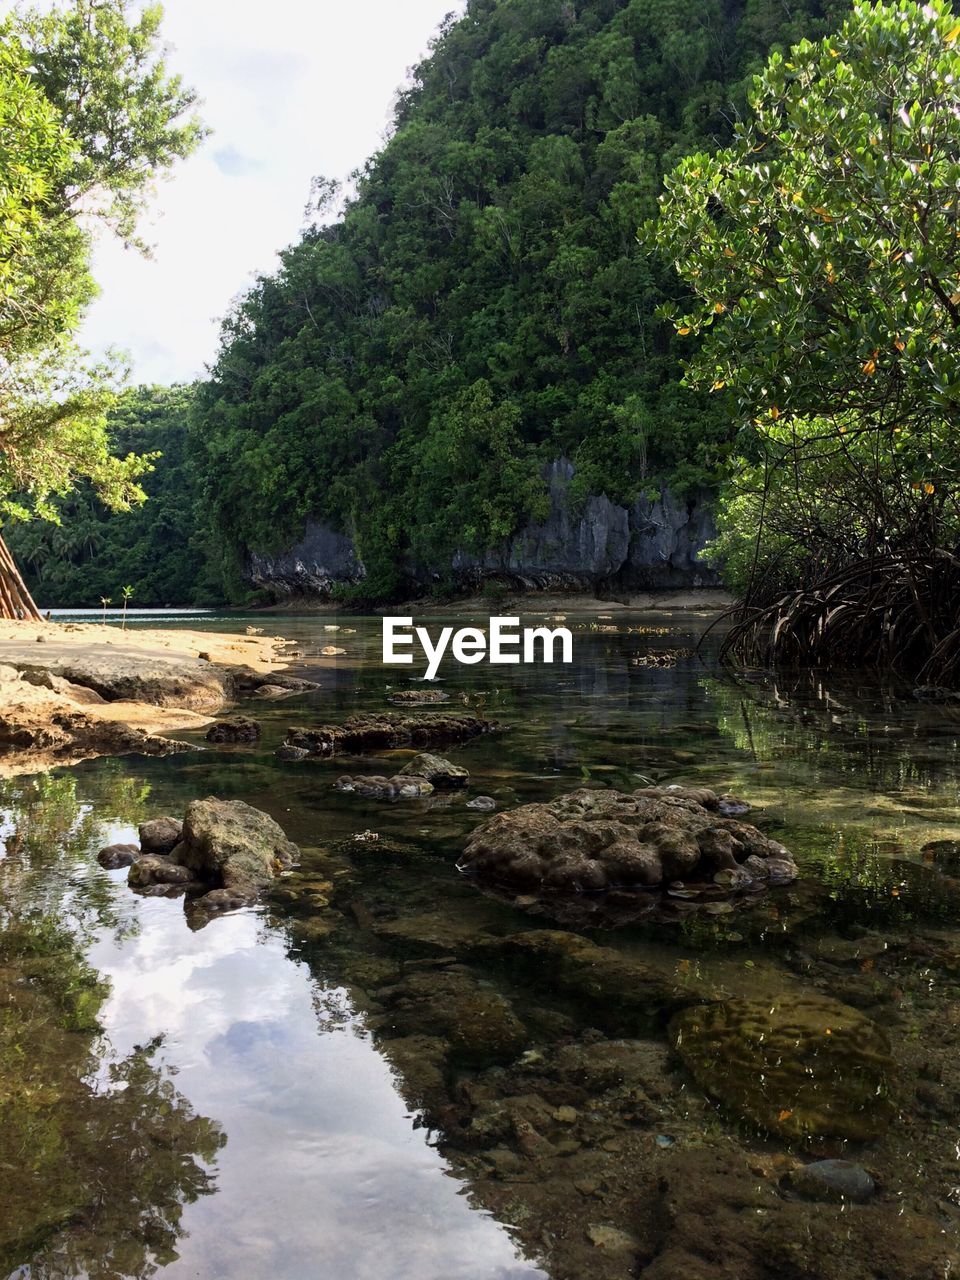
(71, 692)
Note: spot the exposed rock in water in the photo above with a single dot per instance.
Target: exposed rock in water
(441, 773)
(72, 735)
(417, 697)
(483, 804)
(117, 855)
(391, 729)
(223, 854)
(234, 848)
(236, 729)
(590, 841)
(246, 681)
(271, 690)
(290, 754)
(160, 835)
(379, 788)
(804, 1067)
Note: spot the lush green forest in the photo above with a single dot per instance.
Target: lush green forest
(157, 547)
(481, 306)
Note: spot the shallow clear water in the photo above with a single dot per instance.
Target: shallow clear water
(257, 1098)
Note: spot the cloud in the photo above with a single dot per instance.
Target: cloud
(307, 92)
(235, 164)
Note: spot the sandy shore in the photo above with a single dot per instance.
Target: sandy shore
(24, 640)
(70, 692)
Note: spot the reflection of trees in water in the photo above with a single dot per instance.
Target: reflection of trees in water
(98, 1161)
(98, 1157)
(867, 733)
(49, 831)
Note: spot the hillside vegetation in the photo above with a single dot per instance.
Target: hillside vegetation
(482, 304)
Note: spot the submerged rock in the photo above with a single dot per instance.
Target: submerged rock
(476, 1021)
(391, 729)
(420, 1065)
(833, 1180)
(804, 1067)
(438, 771)
(590, 841)
(379, 788)
(152, 869)
(237, 729)
(944, 855)
(623, 993)
(483, 804)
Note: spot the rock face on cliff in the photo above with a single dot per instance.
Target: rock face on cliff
(652, 544)
(318, 562)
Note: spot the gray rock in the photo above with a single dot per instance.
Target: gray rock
(290, 753)
(588, 841)
(312, 567)
(236, 729)
(654, 543)
(833, 1180)
(400, 787)
(118, 855)
(484, 804)
(160, 835)
(151, 870)
(438, 771)
(232, 846)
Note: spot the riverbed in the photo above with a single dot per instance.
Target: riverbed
(276, 1094)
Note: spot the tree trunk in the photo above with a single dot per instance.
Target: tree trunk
(16, 602)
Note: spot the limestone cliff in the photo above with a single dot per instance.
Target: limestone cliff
(652, 544)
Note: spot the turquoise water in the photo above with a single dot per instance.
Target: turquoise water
(275, 1094)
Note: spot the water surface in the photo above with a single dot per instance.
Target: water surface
(258, 1097)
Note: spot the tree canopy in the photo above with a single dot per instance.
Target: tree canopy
(88, 117)
(823, 250)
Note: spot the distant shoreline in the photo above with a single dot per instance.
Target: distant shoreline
(712, 599)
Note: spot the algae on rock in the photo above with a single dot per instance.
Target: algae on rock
(804, 1067)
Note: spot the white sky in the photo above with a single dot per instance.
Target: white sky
(291, 88)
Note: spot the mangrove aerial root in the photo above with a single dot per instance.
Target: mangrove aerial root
(897, 612)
